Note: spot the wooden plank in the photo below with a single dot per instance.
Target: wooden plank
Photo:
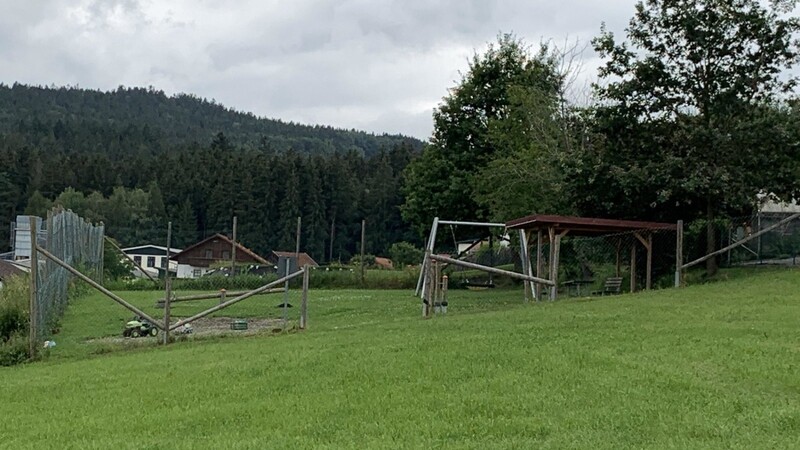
(496, 271)
(189, 298)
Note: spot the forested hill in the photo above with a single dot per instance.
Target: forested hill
(136, 159)
(133, 119)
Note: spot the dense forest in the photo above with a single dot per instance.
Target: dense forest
(136, 159)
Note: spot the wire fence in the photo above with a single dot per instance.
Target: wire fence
(76, 242)
(779, 246)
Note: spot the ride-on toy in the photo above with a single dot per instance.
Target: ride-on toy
(139, 327)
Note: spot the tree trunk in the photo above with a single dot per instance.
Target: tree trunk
(711, 240)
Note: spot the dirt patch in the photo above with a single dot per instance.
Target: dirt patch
(222, 325)
(205, 327)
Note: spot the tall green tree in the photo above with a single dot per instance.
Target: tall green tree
(441, 181)
(684, 102)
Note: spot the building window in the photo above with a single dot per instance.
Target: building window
(137, 260)
(163, 262)
(196, 273)
(151, 261)
(226, 254)
(209, 255)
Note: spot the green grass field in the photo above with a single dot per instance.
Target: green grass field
(712, 366)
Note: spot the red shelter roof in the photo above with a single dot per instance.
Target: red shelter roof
(587, 226)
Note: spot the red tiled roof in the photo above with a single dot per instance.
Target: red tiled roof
(304, 258)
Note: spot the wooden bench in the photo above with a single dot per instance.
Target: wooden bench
(612, 286)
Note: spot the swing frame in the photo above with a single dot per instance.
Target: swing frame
(431, 243)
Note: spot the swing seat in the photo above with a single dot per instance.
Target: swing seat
(477, 286)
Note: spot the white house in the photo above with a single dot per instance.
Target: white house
(152, 258)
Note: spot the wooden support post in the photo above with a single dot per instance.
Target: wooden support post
(222, 293)
(286, 295)
(445, 286)
(555, 264)
(551, 234)
(297, 241)
(648, 245)
(363, 240)
(233, 249)
(619, 257)
(304, 299)
(539, 263)
(437, 285)
(167, 287)
(679, 255)
(649, 279)
(633, 266)
(33, 307)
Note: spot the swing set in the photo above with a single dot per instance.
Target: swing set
(423, 289)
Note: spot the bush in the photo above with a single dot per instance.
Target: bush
(14, 351)
(14, 297)
(369, 261)
(14, 321)
(405, 254)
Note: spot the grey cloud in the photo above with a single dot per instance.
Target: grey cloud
(377, 65)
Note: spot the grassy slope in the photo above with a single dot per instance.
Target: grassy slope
(707, 366)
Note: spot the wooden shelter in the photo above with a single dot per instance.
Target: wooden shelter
(553, 228)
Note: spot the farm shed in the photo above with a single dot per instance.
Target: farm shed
(552, 228)
(196, 260)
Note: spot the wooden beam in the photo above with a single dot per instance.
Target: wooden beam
(97, 286)
(494, 270)
(679, 255)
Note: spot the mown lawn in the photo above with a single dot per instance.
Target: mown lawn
(713, 366)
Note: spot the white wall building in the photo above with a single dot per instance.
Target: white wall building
(151, 258)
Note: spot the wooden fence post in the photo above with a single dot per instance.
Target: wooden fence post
(679, 255)
(304, 299)
(32, 306)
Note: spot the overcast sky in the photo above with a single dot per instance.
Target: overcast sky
(380, 66)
